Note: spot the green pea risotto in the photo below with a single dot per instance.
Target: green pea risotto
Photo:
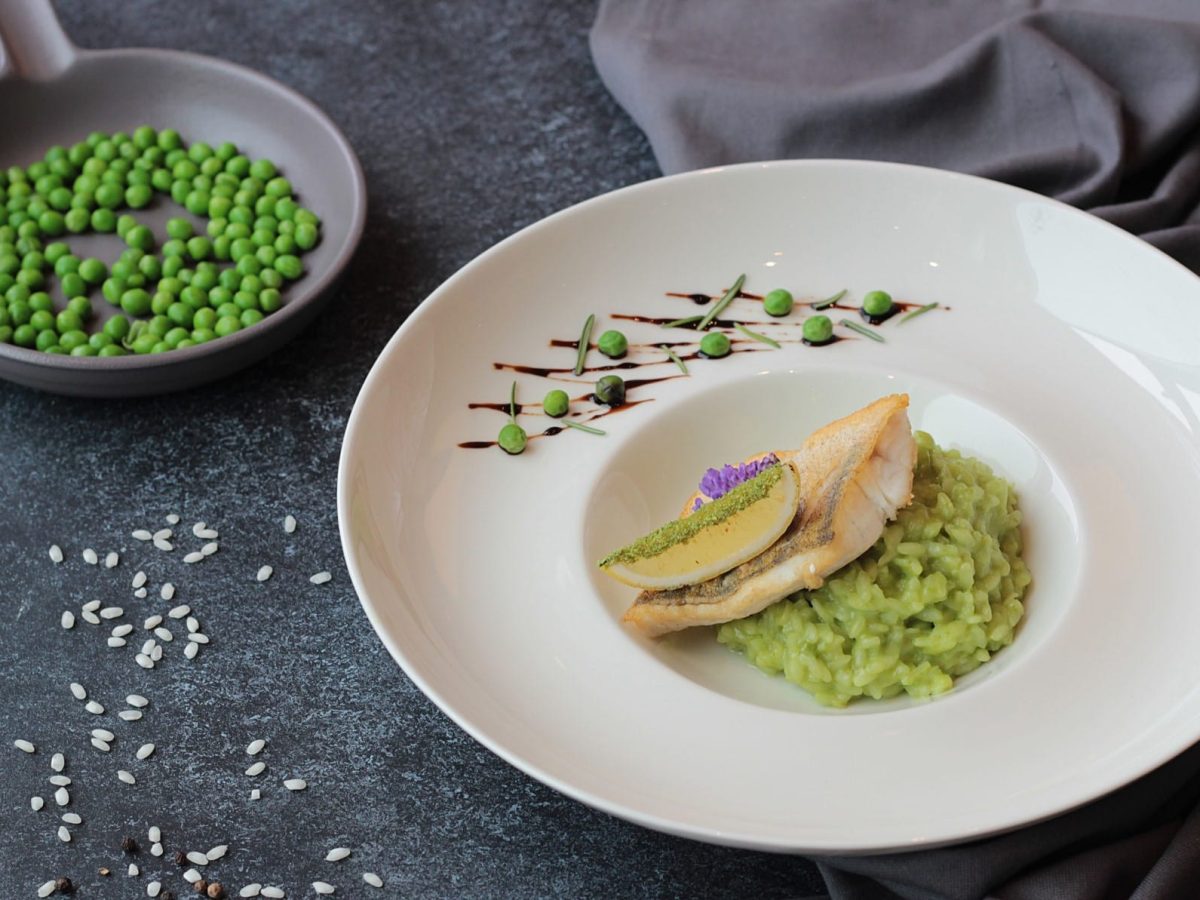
(933, 599)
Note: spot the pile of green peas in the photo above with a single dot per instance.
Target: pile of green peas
(179, 297)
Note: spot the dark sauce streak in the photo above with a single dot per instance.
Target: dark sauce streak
(832, 340)
(722, 323)
(583, 420)
(499, 407)
(871, 319)
(701, 299)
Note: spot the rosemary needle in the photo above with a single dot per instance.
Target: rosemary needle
(677, 323)
(512, 403)
(675, 359)
(588, 428)
(862, 329)
(725, 300)
(916, 312)
(584, 340)
(756, 336)
(829, 301)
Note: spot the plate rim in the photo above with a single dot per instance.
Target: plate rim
(705, 834)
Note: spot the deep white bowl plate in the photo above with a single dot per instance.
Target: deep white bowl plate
(1067, 360)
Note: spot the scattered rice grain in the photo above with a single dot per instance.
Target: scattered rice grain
(274, 893)
(130, 715)
(148, 646)
(144, 661)
(191, 650)
(255, 794)
(104, 734)
(323, 887)
(256, 769)
(140, 593)
(59, 780)
(165, 546)
(90, 557)
(78, 690)
(193, 624)
(139, 579)
(68, 619)
(194, 557)
(103, 746)
(168, 591)
(58, 762)
(289, 524)
(47, 888)
(90, 617)
(320, 578)
(198, 637)
(116, 642)
(111, 560)
(153, 622)
(36, 803)
(72, 818)
(62, 796)
(141, 534)
(156, 849)
(122, 630)
(372, 879)
(217, 852)
(256, 747)
(126, 776)
(144, 751)
(164, 634)
(173, 519)
(154, 833)
(337, 854)
(179, 611)
(153, 888)
(196, 858)
(264, 573)
(157, 653)
(24, 745)
(191, 876)
(94, 708)
(63, 834)
(163, 534)
(134, 871)
(111, 612)
(210, 548)
(91, 606)
(251, 890)
(295, 784)
(56, 555)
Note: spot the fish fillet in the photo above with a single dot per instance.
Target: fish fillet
(855, 474)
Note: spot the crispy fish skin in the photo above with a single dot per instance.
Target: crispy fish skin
(855, 474)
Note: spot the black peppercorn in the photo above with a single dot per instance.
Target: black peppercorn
(129, 845)
(64, 886)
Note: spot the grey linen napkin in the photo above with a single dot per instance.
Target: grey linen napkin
(1096, 103)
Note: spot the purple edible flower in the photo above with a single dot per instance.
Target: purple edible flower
(718, 482)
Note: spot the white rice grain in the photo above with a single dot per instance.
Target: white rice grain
(59, 780)
(153, 888)
(68, 619)
(137, 700)
(140, 593)
(78, 691)
(274, 893)
(337, 854)
(130, 715)
(139, 579)
(148, 646)
(47, 888)
(163, 534)
(210, 548)
(111, 560)
(144, 751)
(165, 546)
(264, 573)
(157, 653)
(36, 803)
(173, 519)
(155, 834)
(63, 834)
(24, 745)
(62, 796)
(323, 887)
(141, 534)
(72, 818)
(168, 591)
(191, 650)
(295, 784)
(111, 612)
(144, 661)
(256, 769)
(91, 606)
(164, 635)
(126, 776)
(320, 578)
(289, 524)
(191, 876)
(122, 630)
(251, 890)
(58, 762)
(255, 794)
(56, 554)
(196, 858)
(199, 527)
(134, 871)
(116, 642)
(102, 746)
(372, 879)
(90, 617)
(256, 747)
(198, 638)
(90, 557)
(104, 734)
(94, 708)
(194, 557)
(217, 852)
(179, 611)
(151, 623)
(156, 849)
(193, 624)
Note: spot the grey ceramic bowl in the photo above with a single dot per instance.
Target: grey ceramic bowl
(54, 93)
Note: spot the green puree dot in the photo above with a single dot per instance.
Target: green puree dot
(715, 344)
(877, 303)
(778, 302)
(556, 403)
(818, 329)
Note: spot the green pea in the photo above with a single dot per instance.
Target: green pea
(196, 202)
(81, 349)
(76, 221)
(306, 236)
(266, 255)
(270, 278)
(19, 312)
(205, 318)
(117, 327)
(185, 343)
(285, 244)
(68, 321)
(263, 238)
(306, 217)
(270, 300)
(34, 259)
(109, 195)
(99, 340)
(172, 265)
(228, 309)
(262, 169)
(138, 195)
(72, 338)
(112, 289)
(289, 266)
(143, 344)
(278, 187)
(160, 347)
(140, 237)
(174, 336)
(715, 344)
(174, 157)
(169, 139)
(180, 190)
(144, 137)
(42, 319)
(31, 278)
(180, 314)
(512, 439)
(123, 268)
(205, 279)
(46, 339)
(93, 270)
(174, 247)
(79, 153)
(25, 335)
(249, 265)
(66, 264)
(138, 178)
(159, 325)
(199, 152)
(778, 302)
(40, 300)
(245, 300)
(556, 403)
(5, 319)
(151, 267)
(250, 317)
(240, 248)
(610, 390)
(6, 334)
(81, 306)
(219, 295)
(193, 296)
(18, 293)
(52, 223)
(111, 350)
(817, 330)
(60, 199)
(136, 302)
(877, 303)
(161, 180)
(238, 166)
(161, 302)
(203, 335)
(225, 151)
(227, 325)
(612, 344)
(199, 247)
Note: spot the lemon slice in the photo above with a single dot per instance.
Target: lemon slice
(715, 538)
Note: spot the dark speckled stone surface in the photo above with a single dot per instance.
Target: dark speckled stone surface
(472, 119)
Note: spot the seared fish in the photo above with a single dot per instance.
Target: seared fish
(855, 474)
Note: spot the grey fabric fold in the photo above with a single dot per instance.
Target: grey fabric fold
(1095, 103)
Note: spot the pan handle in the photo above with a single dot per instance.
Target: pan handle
(33, 44)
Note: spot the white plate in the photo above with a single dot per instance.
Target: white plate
(1067, 360)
